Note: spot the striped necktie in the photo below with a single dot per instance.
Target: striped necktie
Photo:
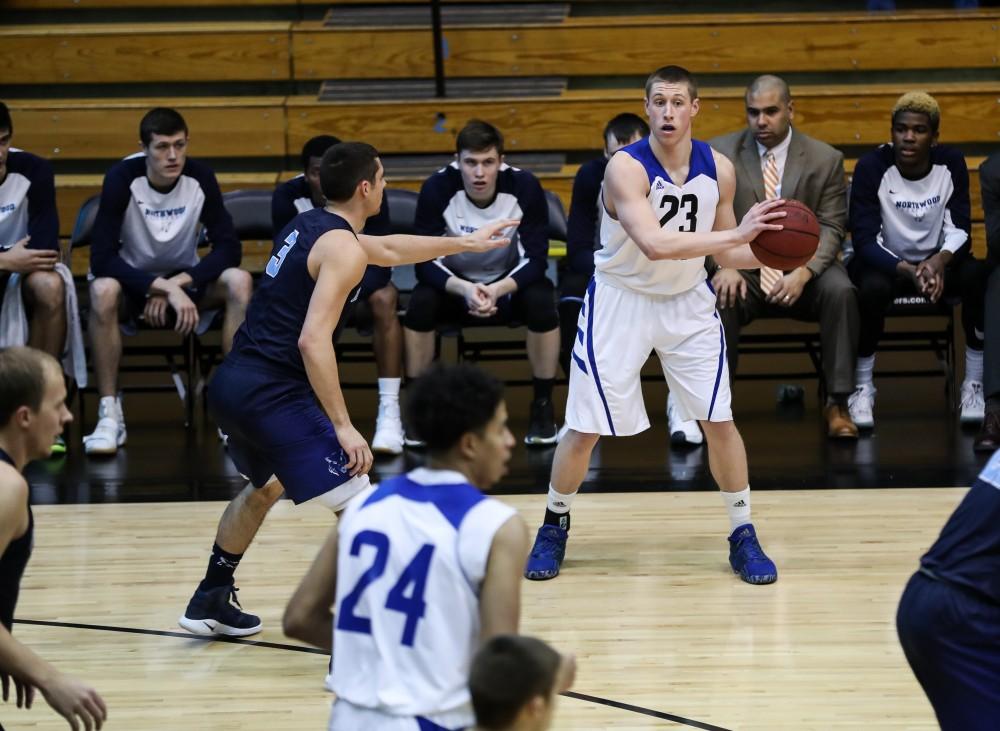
(768, 276)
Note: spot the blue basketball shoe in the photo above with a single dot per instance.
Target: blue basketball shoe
(547, 554)
(748, 559)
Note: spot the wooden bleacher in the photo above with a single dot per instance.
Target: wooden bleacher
(575, 46)
(262, 134)
(617, 44)
(274, 126)
(146, 52)
(108, 128)
(839, 115)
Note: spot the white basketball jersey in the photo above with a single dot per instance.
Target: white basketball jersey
(689, 207)
(412, 556)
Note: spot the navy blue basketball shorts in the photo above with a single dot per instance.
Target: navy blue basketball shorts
(277, 428)
(951, 639)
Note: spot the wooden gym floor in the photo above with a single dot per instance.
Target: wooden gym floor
(665, 635)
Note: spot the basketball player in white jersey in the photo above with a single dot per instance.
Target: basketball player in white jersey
(669, 201)
(425, 567)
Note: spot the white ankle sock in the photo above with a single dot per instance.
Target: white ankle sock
(111, 407)
(388, 391)
(863, 371)
(973, 365)
(738, 507)
(558, 502)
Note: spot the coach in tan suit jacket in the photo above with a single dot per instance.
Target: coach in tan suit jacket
(812, 172)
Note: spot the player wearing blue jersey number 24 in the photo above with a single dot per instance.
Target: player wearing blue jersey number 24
(669, 203)
(277, 394)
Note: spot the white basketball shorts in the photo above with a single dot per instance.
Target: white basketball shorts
(346, 716)
(616, 332)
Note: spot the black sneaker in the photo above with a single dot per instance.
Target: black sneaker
(218, 612)
(542, 429)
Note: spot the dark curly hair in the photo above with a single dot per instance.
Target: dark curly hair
(449, 401)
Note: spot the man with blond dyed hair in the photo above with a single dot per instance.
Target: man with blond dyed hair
(910, 225)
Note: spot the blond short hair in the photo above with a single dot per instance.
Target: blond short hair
(919, 102)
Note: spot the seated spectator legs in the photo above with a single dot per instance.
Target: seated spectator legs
(828, 299)
(230, 292)
(45, 298)
(106, 355)
(387, 341)
(988, 439)
(966, 278)
(534, 306)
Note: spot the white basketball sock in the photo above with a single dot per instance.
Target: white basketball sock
(388, 391)
(558, 502)
(738, 507)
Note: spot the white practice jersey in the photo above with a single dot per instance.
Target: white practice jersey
(412, 557)
(689, 207)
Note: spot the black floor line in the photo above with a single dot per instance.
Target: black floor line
(299, 648)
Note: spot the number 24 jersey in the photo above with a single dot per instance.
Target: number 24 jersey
(412, 556)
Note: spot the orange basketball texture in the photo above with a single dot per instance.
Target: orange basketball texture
(793, 245)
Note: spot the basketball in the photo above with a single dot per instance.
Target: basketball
(792, 246)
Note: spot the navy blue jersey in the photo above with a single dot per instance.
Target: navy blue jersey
(583, 231)
(28, 202)
(12, 563)
(895, 219)
(141, 233)
(967, 552)
(278, 309)
(444, 209)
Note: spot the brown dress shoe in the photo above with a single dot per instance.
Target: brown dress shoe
(838, 423)
(988, 438)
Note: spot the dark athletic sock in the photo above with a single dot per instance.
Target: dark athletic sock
(221, 567)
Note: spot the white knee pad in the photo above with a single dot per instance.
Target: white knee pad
(337, 498)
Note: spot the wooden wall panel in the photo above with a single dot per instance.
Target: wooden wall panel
(838, 115)
(96, 129)
(60, 54)
(624, 45)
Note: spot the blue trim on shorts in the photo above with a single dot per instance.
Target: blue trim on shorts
(425, 725)
(590, 353)
(718, 373)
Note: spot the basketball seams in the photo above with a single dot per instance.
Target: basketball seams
(795, 244)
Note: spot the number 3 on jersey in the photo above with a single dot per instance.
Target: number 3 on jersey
(688, 201)
(413, 579)
(275, 262)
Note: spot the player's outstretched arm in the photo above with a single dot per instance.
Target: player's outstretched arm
(626, 187)
(399, 249)
(308, 616)
(337, 264)
(500, 598)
